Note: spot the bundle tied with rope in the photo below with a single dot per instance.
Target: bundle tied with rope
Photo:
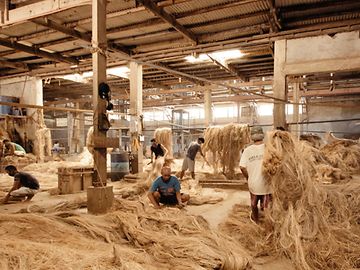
(314, 226)
(225, 143)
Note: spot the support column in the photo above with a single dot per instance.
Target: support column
(81, 142)
(279, 84)
(295, 129)
(70, 133)
(99, 197)
(135, 113)
(207, 107)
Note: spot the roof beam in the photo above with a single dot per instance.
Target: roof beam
(232, 70)
(77, 34)
(41, 9)
(158, 11)
(18, 65)
(63, 29)
(52, 56)
(275, 25)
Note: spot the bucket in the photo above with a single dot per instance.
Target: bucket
(119, 164)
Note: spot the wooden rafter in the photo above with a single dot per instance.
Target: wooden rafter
(232, 70)
(18, 65)
(275, 25)
(35, 51)
(158, 11)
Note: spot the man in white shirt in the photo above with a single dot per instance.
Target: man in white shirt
(251, 167)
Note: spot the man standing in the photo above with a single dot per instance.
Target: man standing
(25, 185)
(157, 150)
(251, 167)
(166, 190)
(189, 160)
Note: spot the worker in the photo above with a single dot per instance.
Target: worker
(189, 160)
(11, 148)
(166, 190)
(25, 185)
(251, 167)
(157, 150)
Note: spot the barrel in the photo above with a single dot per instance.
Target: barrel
(119, 164)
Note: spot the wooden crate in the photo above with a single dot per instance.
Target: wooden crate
(74, 179)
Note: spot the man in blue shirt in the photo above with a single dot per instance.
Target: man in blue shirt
(166, 190)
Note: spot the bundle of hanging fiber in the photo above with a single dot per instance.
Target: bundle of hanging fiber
(225, 144)
(164, 136)
(316, 227)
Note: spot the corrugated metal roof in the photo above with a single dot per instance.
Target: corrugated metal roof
(285, 3)
(233, 11)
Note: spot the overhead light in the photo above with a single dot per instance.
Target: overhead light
(122, 71)
(220, 56)
(201, 58)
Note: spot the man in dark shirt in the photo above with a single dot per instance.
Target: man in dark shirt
(189, 160)
(25, 185)
(157, 150)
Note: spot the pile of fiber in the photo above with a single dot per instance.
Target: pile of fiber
(313, 139)
(164, 136)
(343, 154)
(313, 226)
(19, 161)
(225, 144)
(131, 237)
(325, 171)
(42, 143)
(50, 166)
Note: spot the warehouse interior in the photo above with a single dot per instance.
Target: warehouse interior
(86, 84)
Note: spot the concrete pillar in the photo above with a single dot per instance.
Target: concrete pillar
(295, 129)
(207, 107)
(70, 132)
(279, 84)
(81, 127)
(136, 111)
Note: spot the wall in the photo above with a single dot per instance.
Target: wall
(29, 90)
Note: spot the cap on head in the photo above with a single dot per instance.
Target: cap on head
(10, 168)
(202, 140)
(257, 133)
(256, 130)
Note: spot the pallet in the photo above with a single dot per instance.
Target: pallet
(74, 179)
(225, 184)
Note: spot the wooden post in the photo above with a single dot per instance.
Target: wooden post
(136, 111)
(207, 107)
(99, 42)
(279, 84)
(99, 197)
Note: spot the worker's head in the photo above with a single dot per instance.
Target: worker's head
(166, 173)
(6, 141)
(201, 140)
(257, 133)
(153, 141)
(11, 170)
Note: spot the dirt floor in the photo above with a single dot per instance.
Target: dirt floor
(213, 213)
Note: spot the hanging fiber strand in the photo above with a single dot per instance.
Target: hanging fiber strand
(225, 144)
